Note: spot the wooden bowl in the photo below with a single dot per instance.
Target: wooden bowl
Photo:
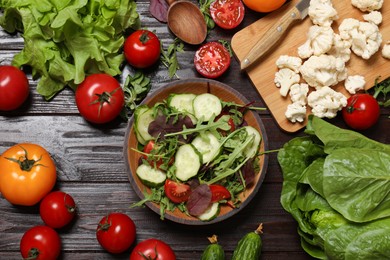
(196, 86)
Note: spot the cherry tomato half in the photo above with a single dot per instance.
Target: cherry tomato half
(14, 88)
(142, 49)
(28, 173)
(212, 60)
(219, 192)
(116, 232)
(362, 111)
(100, 98)
(264, 6)
(227, 14)
(152, 249)
(57, 209)
(177, 192)
(40, 243)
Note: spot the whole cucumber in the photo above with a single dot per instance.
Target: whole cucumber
(249, 246)
(213, 251)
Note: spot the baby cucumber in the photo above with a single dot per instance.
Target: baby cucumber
(214, 251)
(249, 246)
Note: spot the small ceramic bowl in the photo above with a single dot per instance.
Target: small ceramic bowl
(196, 86)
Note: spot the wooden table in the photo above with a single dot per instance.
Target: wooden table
(91, 168)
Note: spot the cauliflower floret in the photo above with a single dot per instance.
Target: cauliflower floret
(341, 48)
(298, 93)
(296, 112)
(319, 41)
(354, 83)
(284, 79)
(324, 70)
(374, 17)
(386, 50)
(290, 62)
(325, 102)
(365, 37)
(322, 12)
(367, 5)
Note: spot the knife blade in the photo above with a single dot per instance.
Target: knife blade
(296, 13)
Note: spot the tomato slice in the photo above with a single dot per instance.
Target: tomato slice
(219, 192)
(227, 14)
(177, 192)
(212, 60)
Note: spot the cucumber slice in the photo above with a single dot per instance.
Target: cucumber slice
(138, 111)
(208, 145)
(187, 162)
(183, 104)
(211, 213)
(141, 125)
(206, 106)
(151, 176)
(253, 147)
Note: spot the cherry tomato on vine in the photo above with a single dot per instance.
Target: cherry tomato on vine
(100, 98)
(40, 243)
(57, 209)
(362, 111)
(142, 49)
(177, 192)
(212, 60)
(264, 6)
(227, 14)
(28, 173)
(152, 249)
(14, 88)
(116, 232)
(219, 192)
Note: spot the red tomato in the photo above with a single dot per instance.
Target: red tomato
(57, 209)
(212, 60)
(177, 192)
(362, 111)
(40, 243)
(219, 192)
(100, 98)
(14, 88)
(142, 49)
(152, 249)
(227, 14)
(116, 232)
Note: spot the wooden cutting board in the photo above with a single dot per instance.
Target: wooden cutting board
(263, 72)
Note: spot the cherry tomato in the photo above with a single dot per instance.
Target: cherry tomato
(177, 192)
(219, 192)
(57, 209)
(14, 88)
(362, 111)
(116, 232)
(212, 60)
(100, 98)
(149, 148)
(152, 249)
(227, 14)
(28, 173)
(40, 243)
(142, 49)
(264, 6)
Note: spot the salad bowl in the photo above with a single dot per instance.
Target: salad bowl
(196, 86)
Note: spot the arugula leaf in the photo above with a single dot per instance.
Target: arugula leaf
(204, 6)
(383, 89)
(169, 57)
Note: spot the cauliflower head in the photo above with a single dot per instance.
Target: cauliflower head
(326, 102)
(386, 50)
(322, 12)
(323, 70)
(319, 41)
(367, 5)
(298, 93)
(354, 83)
(341, 48)
(374, 17)
(296, 112)
(290, 62)
(284, 79)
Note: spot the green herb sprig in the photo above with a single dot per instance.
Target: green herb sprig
(169, 57)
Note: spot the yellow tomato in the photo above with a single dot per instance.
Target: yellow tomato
(27, 174)
(264, 6)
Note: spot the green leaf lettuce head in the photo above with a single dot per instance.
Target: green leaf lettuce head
(65, 40)
(337, 187)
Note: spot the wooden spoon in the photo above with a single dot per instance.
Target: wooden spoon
(186, 21)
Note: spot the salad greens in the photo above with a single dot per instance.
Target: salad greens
(66, 39)
(336, 186)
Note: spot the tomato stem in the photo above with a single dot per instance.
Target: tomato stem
(144, 38)
(103, 98)
(33, 253)
(25, 163)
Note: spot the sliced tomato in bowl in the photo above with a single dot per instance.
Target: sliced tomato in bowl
(219, 192)
(227, 14)
(212, 60)
(177, 192)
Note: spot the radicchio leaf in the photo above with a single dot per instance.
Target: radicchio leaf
(159, 10)
(248, 172)
(199, 200)
(161, 126)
